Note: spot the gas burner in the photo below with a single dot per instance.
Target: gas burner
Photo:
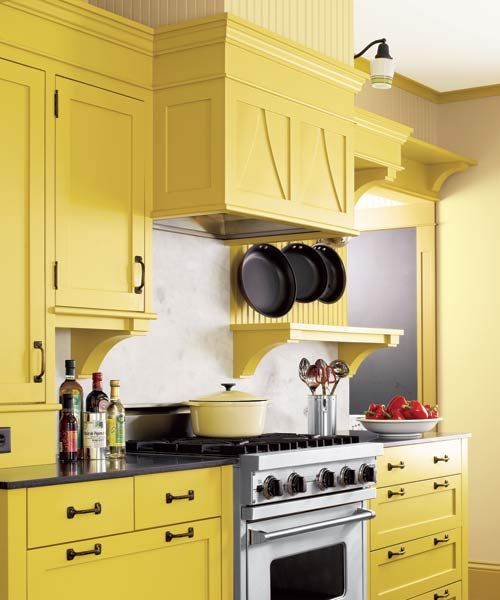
(270, 442)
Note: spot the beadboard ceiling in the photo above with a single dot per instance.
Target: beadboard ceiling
(444, 44)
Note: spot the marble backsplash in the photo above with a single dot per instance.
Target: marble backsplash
(188, 351)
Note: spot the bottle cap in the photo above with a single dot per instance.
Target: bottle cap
(97, 376)
(70, 365)
(114, 383)
(68, 401)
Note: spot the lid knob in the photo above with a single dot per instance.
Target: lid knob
(228, 386)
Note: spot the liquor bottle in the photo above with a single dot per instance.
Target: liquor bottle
(97, 400)
(115, 423)
(68, 431)
(71, 386)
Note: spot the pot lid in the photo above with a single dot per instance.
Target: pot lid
(229, 395)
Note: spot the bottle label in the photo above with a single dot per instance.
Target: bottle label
(77, 411)
(116, 430)
(69, 441)
(94, 434)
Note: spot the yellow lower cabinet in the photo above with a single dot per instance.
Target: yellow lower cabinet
(181, 562)
(78, 511)
(177, 497)
(447, 592)
(414, 510)
(406, 570)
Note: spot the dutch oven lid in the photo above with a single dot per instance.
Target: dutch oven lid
(229, 395)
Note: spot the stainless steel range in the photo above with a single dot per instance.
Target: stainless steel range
(299, 512)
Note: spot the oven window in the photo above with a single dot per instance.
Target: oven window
(315, 575)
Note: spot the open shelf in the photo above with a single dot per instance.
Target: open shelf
(252, 342)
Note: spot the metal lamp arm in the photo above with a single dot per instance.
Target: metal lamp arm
(381, 41)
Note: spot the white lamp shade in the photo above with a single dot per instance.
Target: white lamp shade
(382, 72)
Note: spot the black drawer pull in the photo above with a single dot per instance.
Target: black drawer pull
(402, 551)
(138, 289)
(71, 511)
(70, 554)
(189, 496)
(401, 492)
(443, 541)
(441, 485)
(169, 536)
(401, 465)
(38, 345)
(445, 594)
(438, 459)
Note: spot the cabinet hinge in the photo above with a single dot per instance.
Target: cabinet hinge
(56, 275)
(56, 104)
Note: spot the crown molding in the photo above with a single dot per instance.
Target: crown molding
(432, 95)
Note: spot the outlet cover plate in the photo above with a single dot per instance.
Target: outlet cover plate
(5, 445)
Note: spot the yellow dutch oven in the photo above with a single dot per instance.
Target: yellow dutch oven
(230, 413)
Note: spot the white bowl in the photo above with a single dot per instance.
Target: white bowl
(398, 428)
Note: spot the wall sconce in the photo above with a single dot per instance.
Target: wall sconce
(381, 67)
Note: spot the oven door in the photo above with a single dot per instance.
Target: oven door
(316, 555)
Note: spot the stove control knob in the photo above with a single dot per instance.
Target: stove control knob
(296, 484)
(347, 476)
(271, 488)
(325, 479)
(367, 474)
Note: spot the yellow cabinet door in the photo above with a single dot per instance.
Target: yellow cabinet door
(412, 568)
(447, 592)
(146, 564)
(22, 231)
(414, 510)
(100, 198)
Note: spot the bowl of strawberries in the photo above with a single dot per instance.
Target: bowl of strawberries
(401, 418)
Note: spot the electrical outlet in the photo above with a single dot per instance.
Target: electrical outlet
(4, 440)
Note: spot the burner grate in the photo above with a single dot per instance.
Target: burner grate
(272, 442)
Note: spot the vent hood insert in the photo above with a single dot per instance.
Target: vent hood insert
(253, 134)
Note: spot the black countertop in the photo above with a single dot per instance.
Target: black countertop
(131, 465)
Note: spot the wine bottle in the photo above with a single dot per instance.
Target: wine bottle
(68, 431)
(115, 422)
(97, 400)
(71, 386)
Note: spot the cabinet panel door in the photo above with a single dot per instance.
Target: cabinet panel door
(100, 200)
(132, 566)
(22, 225)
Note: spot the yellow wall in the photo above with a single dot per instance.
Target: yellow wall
(323, 25)
(469, 308)
(404, 107)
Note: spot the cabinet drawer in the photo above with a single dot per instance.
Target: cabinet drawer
(447, 592)
(414, 510)
(177, 497)
(52, 518)
(400, 464)
(416, 567)
(132, 566)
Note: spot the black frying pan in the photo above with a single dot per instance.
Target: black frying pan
(336, 274)
(309, 269)
(266, 280)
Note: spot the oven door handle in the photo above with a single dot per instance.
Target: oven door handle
(259, 537)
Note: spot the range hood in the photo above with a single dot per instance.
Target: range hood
(253, 134)
(228, 227)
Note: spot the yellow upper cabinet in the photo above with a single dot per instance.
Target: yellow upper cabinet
(22, 233)
(250, 126)
(100, 198)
